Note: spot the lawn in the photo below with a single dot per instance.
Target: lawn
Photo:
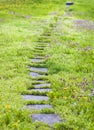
(70, 60)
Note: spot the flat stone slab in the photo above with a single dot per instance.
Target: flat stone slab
(69, 3)
(37, 60)
(35, 74)
(41, 90)
(42, 85)
(38, 107)
(45, 70)
(50, 119)
(35, 97)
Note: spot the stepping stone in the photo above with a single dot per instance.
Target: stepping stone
(41, 90)
(42, 85)
(45, 70)
(35, 97)
(50, 119)
(38, 107)
(35, 74)
(69, 3)
(37, 60)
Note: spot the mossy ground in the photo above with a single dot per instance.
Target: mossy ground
(70, 59)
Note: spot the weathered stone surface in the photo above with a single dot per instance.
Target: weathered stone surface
(35, 74)
(38, 107)
(35, 97)
(69, 3)
(46, 118)
(42, 85)
(41, 90)
(39, 69)
(37, 60)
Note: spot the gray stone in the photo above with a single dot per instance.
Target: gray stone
(36, 60)
(46, 118)
(35, 97)
(35, 74)
(41, 90)
(39, 69)
(38, 107)
(42, 85)
(69, 3)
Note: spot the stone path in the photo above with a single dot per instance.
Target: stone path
(39, 73)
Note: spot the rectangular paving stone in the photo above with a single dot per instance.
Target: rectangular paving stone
(41, 90)
(69, 3)
(45, 70)
(35, 74)
(38, 107)
(37, 60)
(50, 119)
(42, 85)
(35, 97)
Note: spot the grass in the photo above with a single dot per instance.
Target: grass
(71, 69)
(84, 9)
(70, 61)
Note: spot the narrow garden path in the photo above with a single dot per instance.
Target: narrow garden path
(38, 96)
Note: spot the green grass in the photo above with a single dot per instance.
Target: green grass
(70, 62)
(84, 9)
(71, 65)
